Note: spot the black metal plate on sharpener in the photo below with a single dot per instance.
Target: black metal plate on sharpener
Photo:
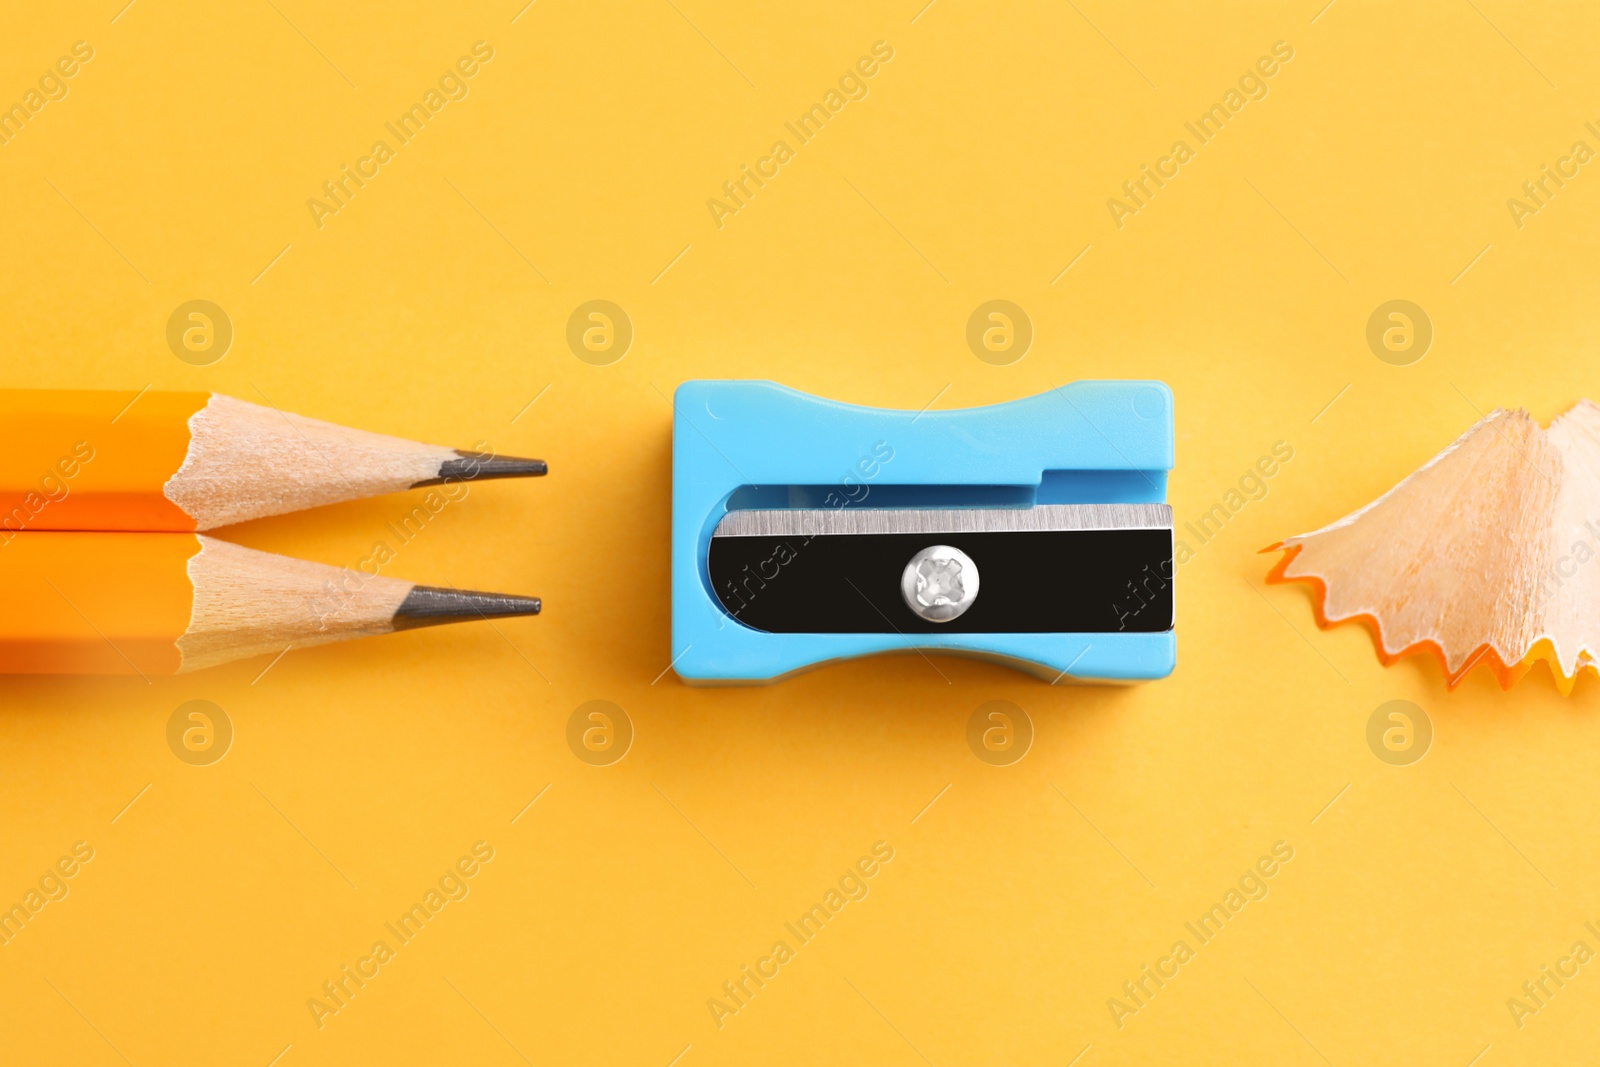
(1048, 569)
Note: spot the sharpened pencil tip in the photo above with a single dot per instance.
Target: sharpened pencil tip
(430, 605)
(479, 466)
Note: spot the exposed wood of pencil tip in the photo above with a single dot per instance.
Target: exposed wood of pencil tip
(430, 605)
(481, 466)
(245, 461)
(249, 603)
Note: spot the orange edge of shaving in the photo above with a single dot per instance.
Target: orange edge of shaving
(1506, 675)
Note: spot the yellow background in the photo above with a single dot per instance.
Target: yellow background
(434, 306)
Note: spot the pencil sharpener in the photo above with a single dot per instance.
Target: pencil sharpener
(1033, 533)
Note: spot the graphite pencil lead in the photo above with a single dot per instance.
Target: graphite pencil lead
(430, 605)
(478, 466)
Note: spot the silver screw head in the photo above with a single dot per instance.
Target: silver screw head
(940, 583)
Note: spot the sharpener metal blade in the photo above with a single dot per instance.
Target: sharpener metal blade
(1059, 568)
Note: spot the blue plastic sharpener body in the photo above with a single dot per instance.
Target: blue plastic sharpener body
(759, 446)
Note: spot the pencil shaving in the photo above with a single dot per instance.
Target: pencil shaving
(1484, 555)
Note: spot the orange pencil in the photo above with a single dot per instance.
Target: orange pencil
(169, 603)
(92, 460)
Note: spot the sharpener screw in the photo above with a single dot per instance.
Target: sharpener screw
(940, 583)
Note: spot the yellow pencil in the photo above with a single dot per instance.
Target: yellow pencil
(168, 603)
(89, 460)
